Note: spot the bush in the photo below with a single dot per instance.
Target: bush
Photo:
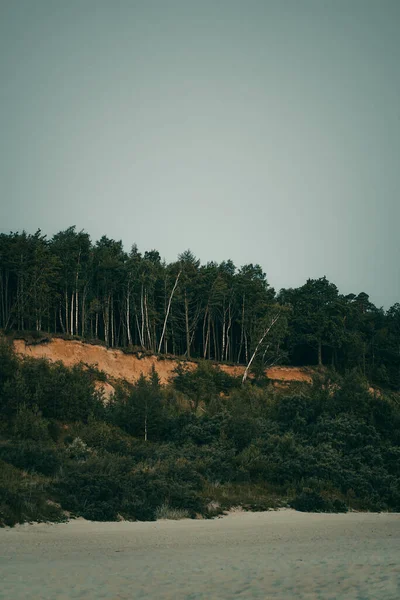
(92, 495)
(32, 456)
(312, 501)
(78, 450)
(25, 498)
(28, 424)
(248, 496)
(102, 436)
(204, 383)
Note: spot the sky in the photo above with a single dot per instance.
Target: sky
(259, 131)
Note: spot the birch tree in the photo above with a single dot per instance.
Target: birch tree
(266, 330)
(168, 309)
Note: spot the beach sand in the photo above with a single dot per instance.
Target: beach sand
(272, 555)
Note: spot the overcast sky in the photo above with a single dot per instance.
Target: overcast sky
(254, 130)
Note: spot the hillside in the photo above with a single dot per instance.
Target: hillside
(118, 365)
(197, 447)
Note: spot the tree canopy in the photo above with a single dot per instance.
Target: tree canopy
(72, 286)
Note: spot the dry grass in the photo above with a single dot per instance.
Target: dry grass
(255, 497)
(165, 512)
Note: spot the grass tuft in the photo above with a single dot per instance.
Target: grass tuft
(165, 512)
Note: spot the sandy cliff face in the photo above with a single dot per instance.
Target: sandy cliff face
(118, 365)
(114, 363)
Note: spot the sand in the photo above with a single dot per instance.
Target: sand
(118, 365)
(274, 555)
(115, 363)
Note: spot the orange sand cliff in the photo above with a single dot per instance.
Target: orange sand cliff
(118, 365)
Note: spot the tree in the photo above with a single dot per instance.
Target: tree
(141, 413)
(109, 259)
(72, 250)
(315, 317)
(267, 327)
(214, 311)
(168, 309)
(393, 345)
(189, 265)
(254, 297)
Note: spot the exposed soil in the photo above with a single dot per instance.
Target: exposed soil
(114, 363)
(118, 365)
(106, 389)
(303, 374)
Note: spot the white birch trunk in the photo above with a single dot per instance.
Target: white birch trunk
(147, 319)
(128, 316)
(266, 331)
(112, 323)
(142, 324)
(168, 309)
(223, 335)
(72, 313)
(241, 332)
(83, 312)
(139, 330)
(228, 331)
(187, 326)
(208, 343)
(76, 312)
(66, 311)
(205, 335)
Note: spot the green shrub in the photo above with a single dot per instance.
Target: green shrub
(99, 435)
(25, 498)
(29, 424)
(312, 501)
(248, 496)
(32, 456)
(78, 450)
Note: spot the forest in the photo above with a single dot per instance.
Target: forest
(71, 286)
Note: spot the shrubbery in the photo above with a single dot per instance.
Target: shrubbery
(32, 456)
(200, 446)
(312, 501)
(25, 498)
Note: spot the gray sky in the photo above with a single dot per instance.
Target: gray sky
(259, 131)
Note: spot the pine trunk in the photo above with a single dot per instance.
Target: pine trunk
(72, 314)
(128, 317)
(66, 311)
(187, 326)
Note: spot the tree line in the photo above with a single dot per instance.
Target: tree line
(96, 290)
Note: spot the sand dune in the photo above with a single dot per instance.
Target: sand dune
(276, 555)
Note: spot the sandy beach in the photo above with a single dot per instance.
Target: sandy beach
(273, 555)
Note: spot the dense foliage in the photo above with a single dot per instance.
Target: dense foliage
(195, 447)
(68, 285)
